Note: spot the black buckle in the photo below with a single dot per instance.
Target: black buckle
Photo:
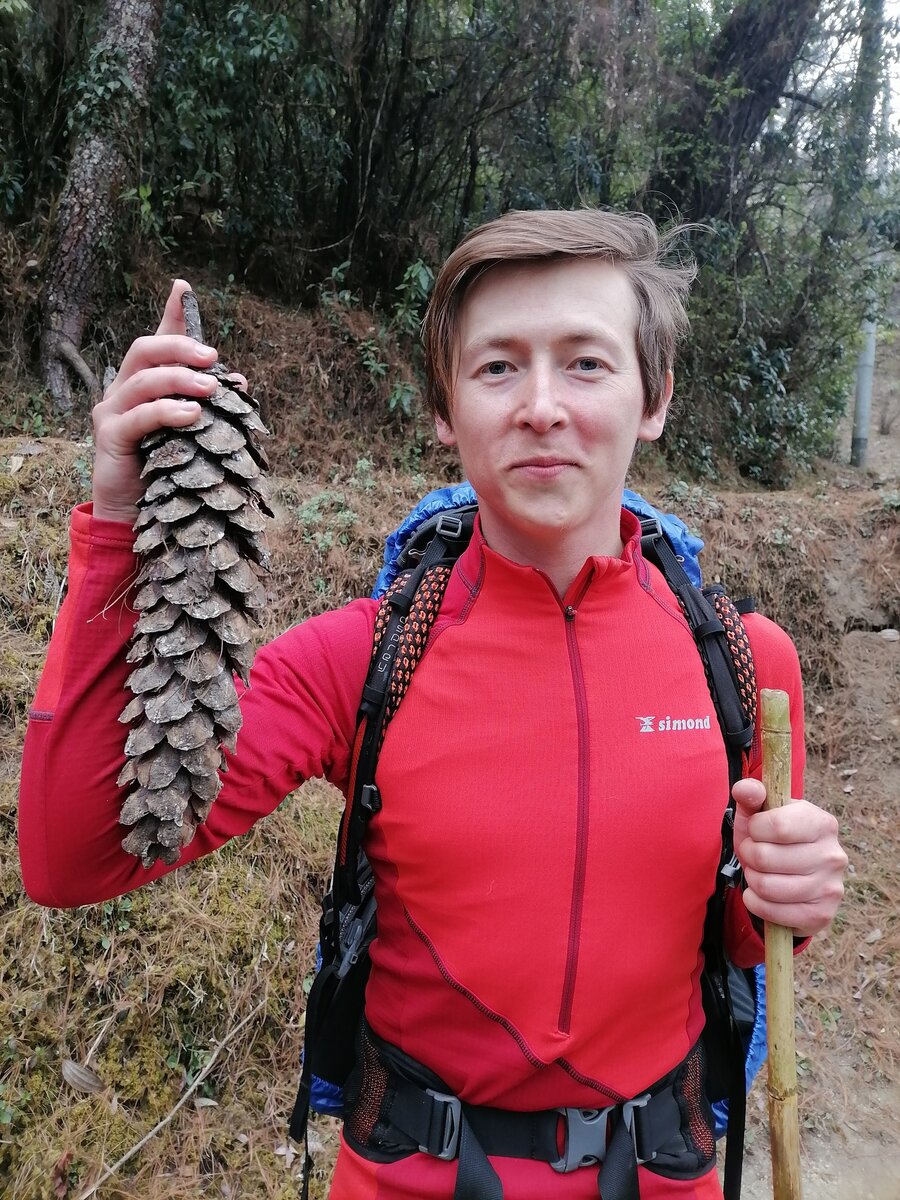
(444, 1125)
(584, 1140)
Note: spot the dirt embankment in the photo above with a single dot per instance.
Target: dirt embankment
(143, 990)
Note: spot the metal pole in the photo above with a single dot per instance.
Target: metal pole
(865, 371)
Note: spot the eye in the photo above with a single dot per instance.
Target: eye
(588, 364)
(497, 367)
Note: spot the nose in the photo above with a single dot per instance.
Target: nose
(540, 400)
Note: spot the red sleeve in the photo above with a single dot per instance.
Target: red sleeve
(299, 716)
(777, 666)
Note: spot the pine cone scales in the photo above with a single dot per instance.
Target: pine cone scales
(199, 596)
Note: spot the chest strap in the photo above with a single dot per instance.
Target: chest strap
(406, 1115)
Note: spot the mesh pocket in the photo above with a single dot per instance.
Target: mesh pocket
(690, 1152)
(695, 1108)
(364, 1116)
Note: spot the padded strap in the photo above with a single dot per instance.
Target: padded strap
(405, 617)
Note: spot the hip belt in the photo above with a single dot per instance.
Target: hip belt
(402, 1108)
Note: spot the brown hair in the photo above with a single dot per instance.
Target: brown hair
(627, 240)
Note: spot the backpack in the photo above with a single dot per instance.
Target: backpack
(419, 557)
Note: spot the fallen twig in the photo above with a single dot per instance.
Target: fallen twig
(229, 1036)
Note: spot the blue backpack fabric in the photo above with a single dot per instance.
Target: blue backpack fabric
(684, 543)
(755, 1047)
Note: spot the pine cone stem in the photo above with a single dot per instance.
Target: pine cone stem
(191, 309)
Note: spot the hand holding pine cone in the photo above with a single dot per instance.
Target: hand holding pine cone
(199, 595)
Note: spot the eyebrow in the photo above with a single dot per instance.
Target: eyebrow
(577, 337)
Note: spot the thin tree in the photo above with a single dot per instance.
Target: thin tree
(851, 162)
(113, 99)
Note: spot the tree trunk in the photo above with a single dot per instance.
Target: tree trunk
(855, 150)
(733, 91)
(849, 175)
(120, 69)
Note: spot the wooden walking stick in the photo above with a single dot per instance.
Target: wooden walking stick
(784, 1124)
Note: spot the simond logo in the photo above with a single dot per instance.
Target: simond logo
(671, 724)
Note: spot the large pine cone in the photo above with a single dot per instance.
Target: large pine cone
(199, 596)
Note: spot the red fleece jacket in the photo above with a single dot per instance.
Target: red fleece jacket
(553, 786)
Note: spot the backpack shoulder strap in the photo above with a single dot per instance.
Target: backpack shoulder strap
(722, 641)
(724, 647)
(404, 620)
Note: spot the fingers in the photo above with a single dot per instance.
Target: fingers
(153, 383)
(145, 418)
(155, 388)
(792, 858)
(793, 866)
(136, 405)
(801, 879)
(797, 821)
(805, 905)
(169, 346)
(146, 353)
(803, 919)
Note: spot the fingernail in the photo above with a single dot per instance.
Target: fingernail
(202, 351)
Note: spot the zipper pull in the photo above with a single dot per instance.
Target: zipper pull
(569, 612)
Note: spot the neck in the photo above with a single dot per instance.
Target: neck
(559, 555)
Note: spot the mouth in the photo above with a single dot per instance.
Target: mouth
(541, 467)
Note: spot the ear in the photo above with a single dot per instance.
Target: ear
(651, 427)
(444, 430)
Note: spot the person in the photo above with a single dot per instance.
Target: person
(544, 853)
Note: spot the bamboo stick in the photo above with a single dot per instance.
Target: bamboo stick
(784, 1123)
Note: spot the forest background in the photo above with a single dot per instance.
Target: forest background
(308, 165)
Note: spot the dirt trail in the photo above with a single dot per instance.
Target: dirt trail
(852, 1150)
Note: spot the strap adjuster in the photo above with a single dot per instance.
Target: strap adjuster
(449, 526)
(642, 1153)
(444, 1125)
(732, 871)
(352, 946)
(370, 798)
(584, 1138)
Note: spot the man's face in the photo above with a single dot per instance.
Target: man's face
(548, 402)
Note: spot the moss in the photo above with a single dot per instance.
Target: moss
(8, 488)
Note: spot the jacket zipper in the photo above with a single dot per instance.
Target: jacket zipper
(583, 821)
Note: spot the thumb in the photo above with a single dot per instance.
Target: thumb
(173, 316)
(749, 796)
